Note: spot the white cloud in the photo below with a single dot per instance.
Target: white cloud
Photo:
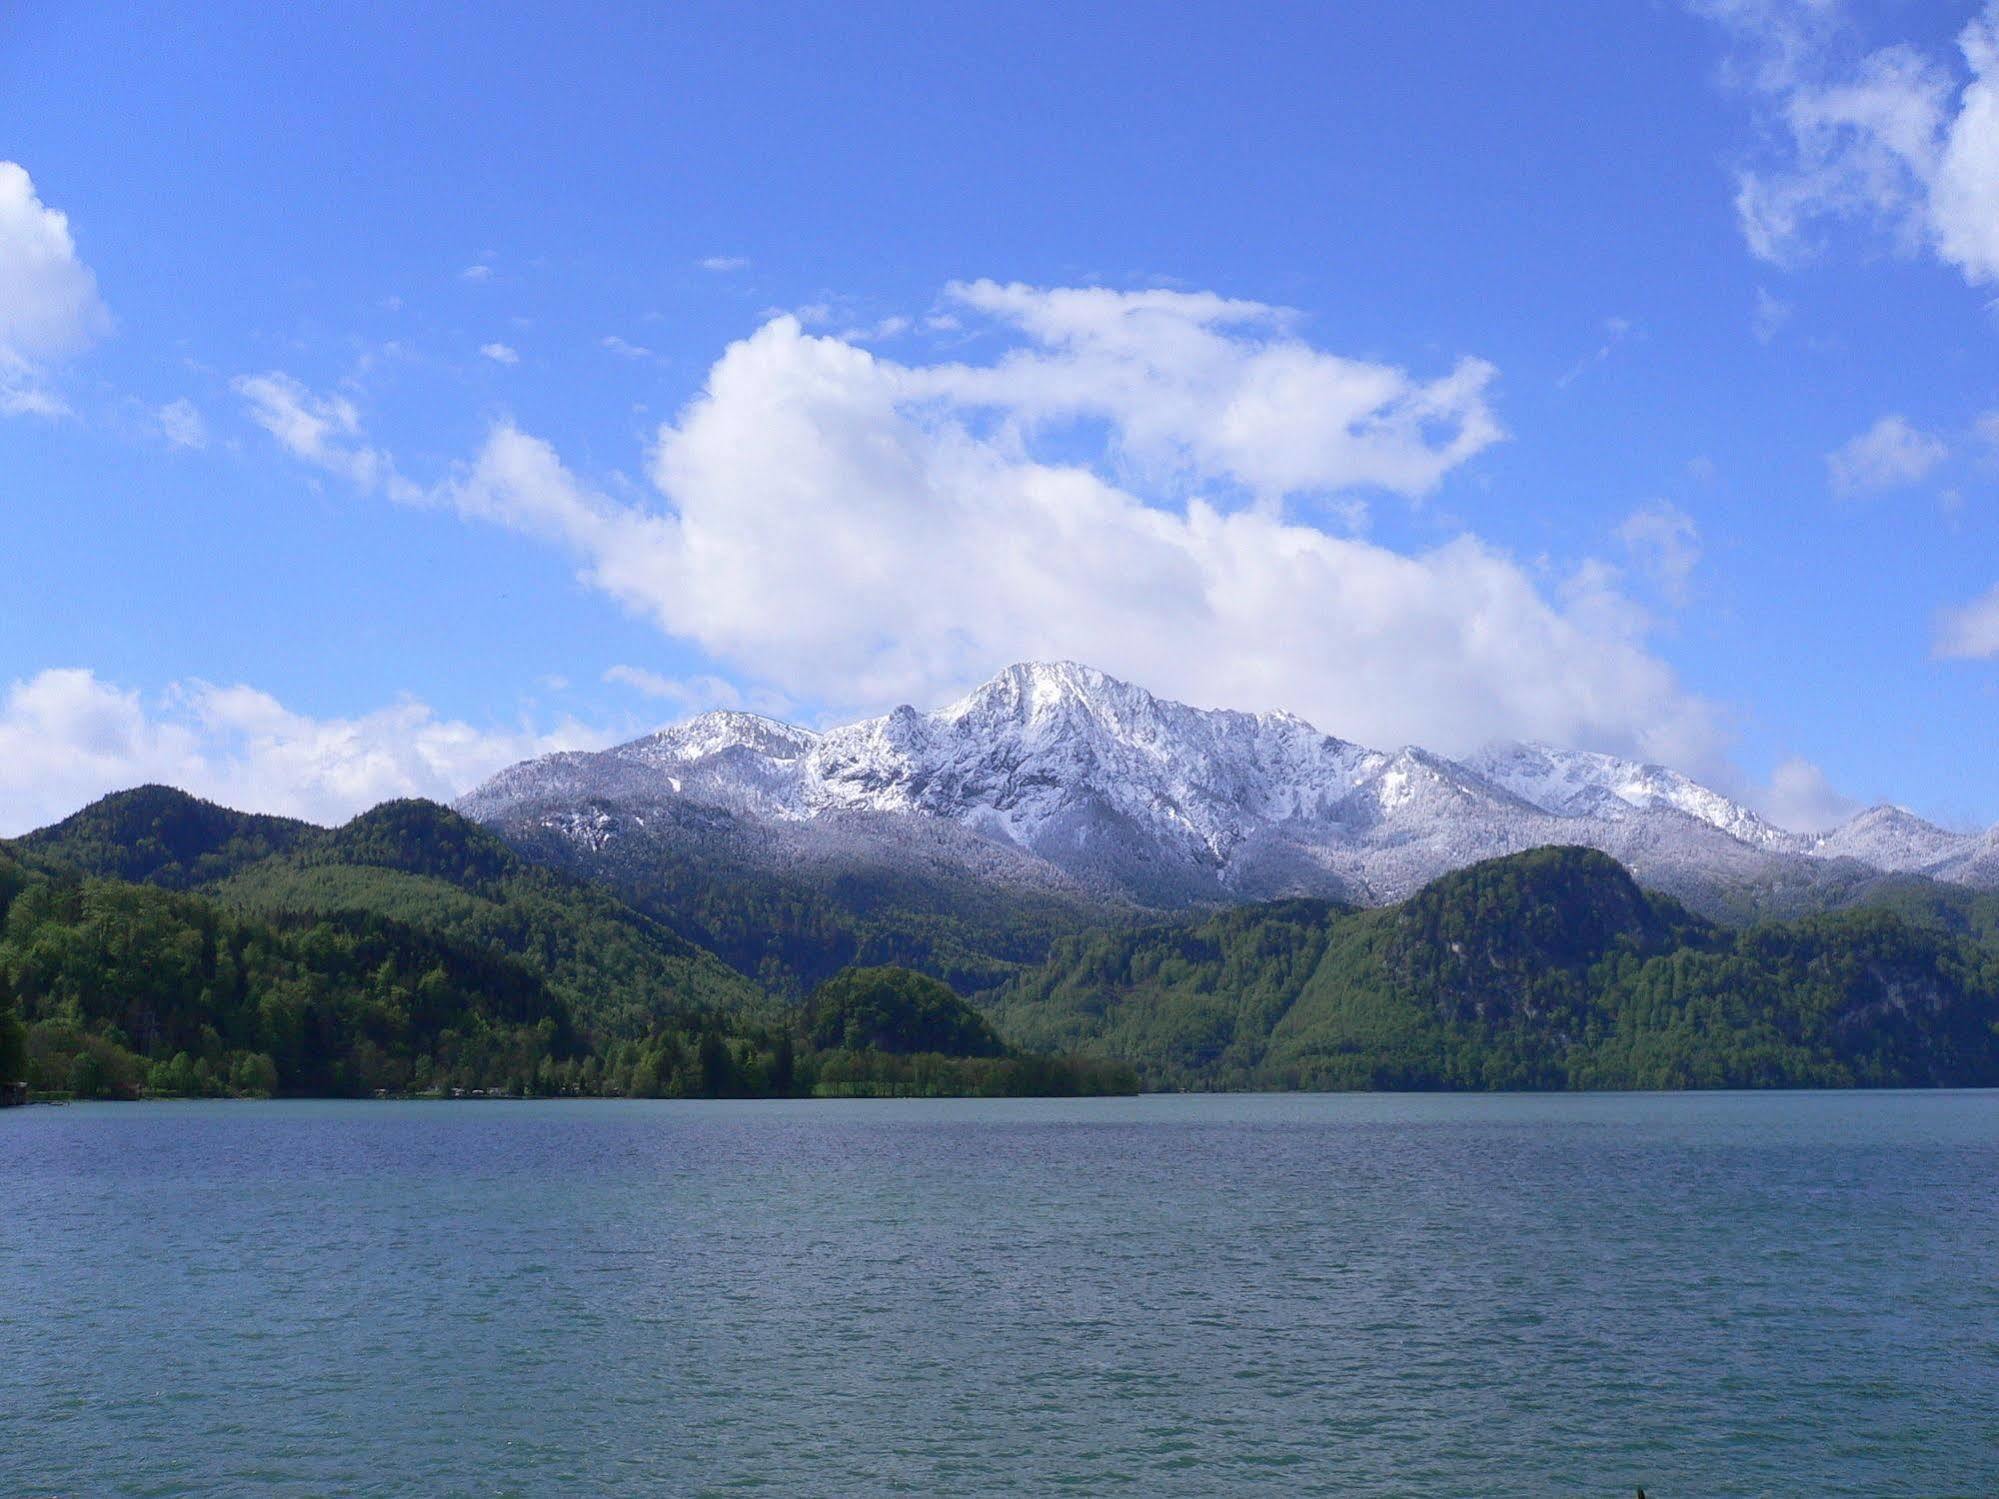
(67, 737)
(852, 532)
(1987, 429)
(1801, 797)
(182, 425)
(1208, 388)
(725, 263)
(323, 430)
(1665, 542)
(500, 353)
(1615, 331)
(1971, 631)
(49, 305)
(476, 273)
(882, 328)
(1891, 454)
(23, 394)
(623, 348)
(859, 533)
(1769, 317)
(1902, 141)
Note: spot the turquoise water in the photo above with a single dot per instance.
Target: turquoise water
(1703, 1294)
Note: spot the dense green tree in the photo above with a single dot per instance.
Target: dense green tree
(413, 951)
(13, 1038)
(1549, 969)
(896, 1010)
(156, 835)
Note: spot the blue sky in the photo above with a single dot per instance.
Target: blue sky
(391, 393)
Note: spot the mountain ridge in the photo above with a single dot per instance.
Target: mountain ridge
(1077, 779)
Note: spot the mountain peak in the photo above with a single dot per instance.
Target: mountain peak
(1030, 689)
(1094, 779)
(717, 730)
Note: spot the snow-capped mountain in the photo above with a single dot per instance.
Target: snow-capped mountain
(1058, 774)
(1578, 783)
(1894, 838)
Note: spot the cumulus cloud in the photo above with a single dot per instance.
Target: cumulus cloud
(1664, 541)
(68, 737)
(1970, 632)
(1902, 141)
(1802, 798)
(49, 305)
(858, 532)
(623, 348)
(851, 532)
(476, 273)
(1891, 454)
(1216, 389)
(500, 353)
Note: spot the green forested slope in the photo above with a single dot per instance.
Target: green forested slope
(155, 835)
(125, 985)
(423, 864)
(1546, 969)
(412, 948)
(412, 951)
(790, 930)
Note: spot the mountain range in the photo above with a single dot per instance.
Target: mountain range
(152, 942)
(1058, 785)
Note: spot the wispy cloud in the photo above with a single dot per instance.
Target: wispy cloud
(1891, 454)
(725, 263)
(323, 430)
(1665, 543)
(1769, 316)
(500, 353)
(1901, 141)
(182, 424)
(1969, 632)
(1615, 331)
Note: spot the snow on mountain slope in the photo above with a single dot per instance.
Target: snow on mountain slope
(1975, 861)
(1893, 838)
(1058, 766)
(1574, 783)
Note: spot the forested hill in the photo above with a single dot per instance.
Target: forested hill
(1549, 969)
(126, 986)
(412, 946)
(418, 862)
(410, 950)
(155, 835)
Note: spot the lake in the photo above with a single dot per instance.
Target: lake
(1375, 1294)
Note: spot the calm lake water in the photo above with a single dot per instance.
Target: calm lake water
(1704, 1294)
